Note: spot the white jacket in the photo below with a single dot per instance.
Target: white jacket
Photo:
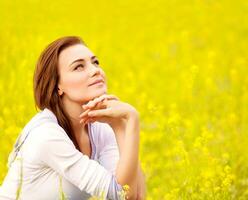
(47, 155)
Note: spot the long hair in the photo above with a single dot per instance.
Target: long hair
(46, 79)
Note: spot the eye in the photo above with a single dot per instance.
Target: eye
(80, 65)
(96, 62)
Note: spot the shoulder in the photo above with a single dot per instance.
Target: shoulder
(44, 125)
(48, 132)
(46, 138)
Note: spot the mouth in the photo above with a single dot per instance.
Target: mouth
(97, 82)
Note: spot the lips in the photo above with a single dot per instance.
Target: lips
(100, 80)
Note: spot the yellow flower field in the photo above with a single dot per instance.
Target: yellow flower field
(182, 64)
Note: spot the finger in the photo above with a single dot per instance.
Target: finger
(111, 97)
(83, 121)
(86, 106)
(99, 113)
(89, 120)
(93, 103)
(96, 101)
(85, 113)
(99, 105)
(86, 121)
(90, 103)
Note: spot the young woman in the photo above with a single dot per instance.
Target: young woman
(83, 142)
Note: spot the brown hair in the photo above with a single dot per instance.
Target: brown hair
(46, 79)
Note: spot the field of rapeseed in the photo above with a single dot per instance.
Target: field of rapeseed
(182, 64)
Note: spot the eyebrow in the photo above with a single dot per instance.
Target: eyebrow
(81, 59)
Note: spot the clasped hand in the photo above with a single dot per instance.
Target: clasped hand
(106, 108)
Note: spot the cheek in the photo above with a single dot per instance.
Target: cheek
(75, 85)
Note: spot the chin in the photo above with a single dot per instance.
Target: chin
(98, 93)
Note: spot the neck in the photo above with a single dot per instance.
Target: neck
(74, 109)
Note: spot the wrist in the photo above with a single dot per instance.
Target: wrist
(133, 114)
(130, 115)
(118, 123)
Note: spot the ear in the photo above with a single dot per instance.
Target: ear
(60, 91)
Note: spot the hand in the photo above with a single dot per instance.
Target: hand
(106, 108)
(94, 104)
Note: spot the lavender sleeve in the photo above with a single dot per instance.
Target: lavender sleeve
(114, 190)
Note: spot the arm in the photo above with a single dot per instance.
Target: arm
(109, 155)
(141, 185)
(55, 149)
(112, 112)
(127, 137)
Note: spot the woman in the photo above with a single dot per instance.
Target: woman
(83, 142)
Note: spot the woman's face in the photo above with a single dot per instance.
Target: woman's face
(78, 69)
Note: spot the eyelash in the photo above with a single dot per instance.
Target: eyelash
(97, 62)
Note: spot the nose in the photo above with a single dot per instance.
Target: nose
(94, 70)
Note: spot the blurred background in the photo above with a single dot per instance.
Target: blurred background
(182, 64)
